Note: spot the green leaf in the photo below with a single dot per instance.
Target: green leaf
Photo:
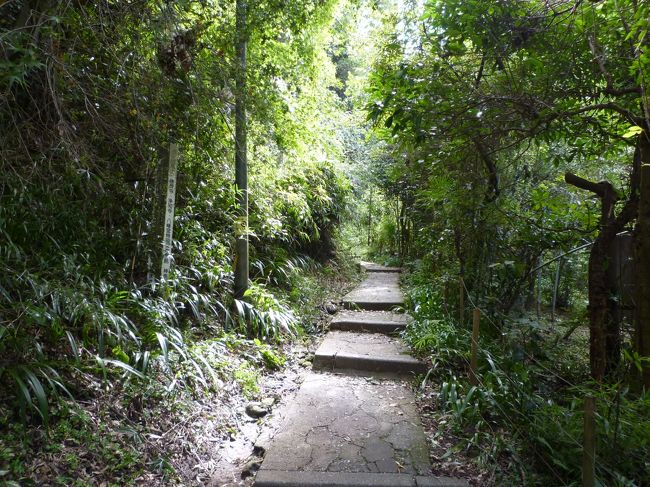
(31, 382)
(102, 362)
(25, 398)
(632, 131)
(73, 346)
(162, 339)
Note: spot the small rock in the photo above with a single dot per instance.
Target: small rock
(252, 466)
(268, 402)
(256, 410)
(331, 308)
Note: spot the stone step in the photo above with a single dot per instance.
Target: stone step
(370, 267)
(378, 292)
(369, 321)
(278, 478)
(343, 350)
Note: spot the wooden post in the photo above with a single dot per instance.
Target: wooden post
(161, 233)
(170, 203)
(446, 297)
(370, 218)
(476, 320)
(461, 301)
(241, 156)
(589, 444)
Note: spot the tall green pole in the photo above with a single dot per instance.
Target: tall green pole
(241, 163)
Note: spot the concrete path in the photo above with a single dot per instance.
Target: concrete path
(379, 291)
(372, 321)
(343, 350)
(355, 423)
(370, 267)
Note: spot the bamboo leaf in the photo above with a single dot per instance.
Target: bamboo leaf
(121, 365)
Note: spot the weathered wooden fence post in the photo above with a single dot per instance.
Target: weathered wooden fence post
(589, 444)
(446, 297)
(642, 237)
(473, 365)
(370, 218)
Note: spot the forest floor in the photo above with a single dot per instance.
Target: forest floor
(150, 433)
(119, 437)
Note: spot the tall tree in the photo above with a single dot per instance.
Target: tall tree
(241, 154)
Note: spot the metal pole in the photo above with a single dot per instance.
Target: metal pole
(241, 163)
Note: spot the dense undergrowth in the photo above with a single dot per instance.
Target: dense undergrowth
(91, 95)
(523, 422)
(479, 108)
(167, 423)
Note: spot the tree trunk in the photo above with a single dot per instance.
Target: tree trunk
(556, 285)
(605, 339)
(642, 237)
(599, 315)
(604, 336)
(241, 164)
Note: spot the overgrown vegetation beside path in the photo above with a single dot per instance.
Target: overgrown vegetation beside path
(523, 423)
(91, 94)
(183, 421)
(515, 134)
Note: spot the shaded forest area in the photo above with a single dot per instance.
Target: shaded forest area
(498, 150)
(95, 350)
(519, 136)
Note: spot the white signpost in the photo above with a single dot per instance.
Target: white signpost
(170, 202)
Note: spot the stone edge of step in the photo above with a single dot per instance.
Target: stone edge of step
(279, 478)
(387, 270)
(381, 327)
(373, 305)
(403, 364)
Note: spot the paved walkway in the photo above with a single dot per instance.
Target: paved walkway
(354, 421)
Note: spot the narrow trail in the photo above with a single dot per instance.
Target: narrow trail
(354, 421)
